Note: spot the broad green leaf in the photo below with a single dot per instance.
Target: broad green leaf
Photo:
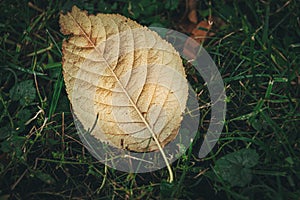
(235, 168)
(24, 92)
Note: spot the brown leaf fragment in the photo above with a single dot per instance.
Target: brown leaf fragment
(200, 32)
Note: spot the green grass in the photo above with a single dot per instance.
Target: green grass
(257, 53)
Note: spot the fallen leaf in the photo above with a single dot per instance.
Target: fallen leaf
(200, 32)
(125, 77)
(189, 23)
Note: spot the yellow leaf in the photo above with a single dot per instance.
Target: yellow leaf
(125, 74)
